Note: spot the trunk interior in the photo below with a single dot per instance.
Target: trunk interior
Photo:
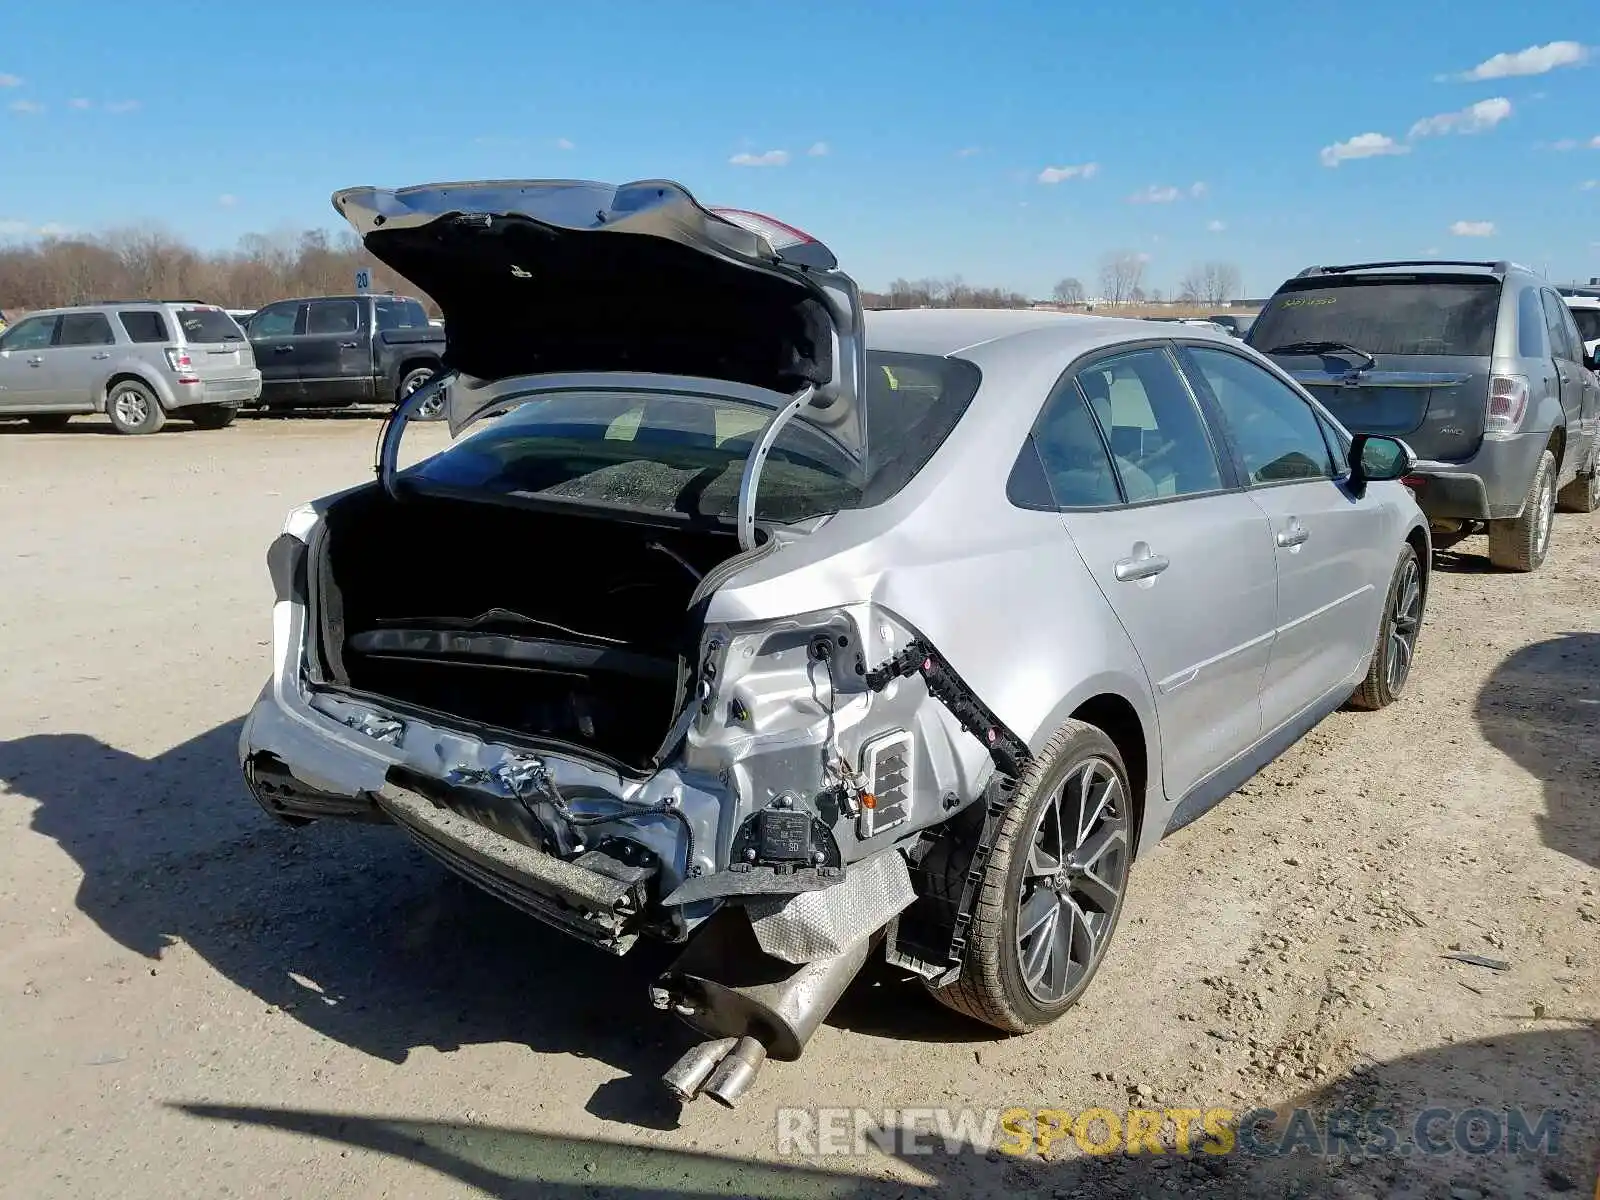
(557, 625)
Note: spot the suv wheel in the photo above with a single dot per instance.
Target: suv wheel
(1397, 637)
(1522, 543)
(133, 408)
(1052, 890)
(1582, 495)
(211, 416)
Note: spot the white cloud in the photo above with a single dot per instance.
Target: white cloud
(79, 103)
(123, 106)
(1589, 185)
(1199, 190)
(818, 149)
(9, 228)
(969, 151)
(1363, 145)
(1476, 118)
(1594, 143)
(1061, 174)
(29, 108)
(566, 144)
(772, 158)
(1155, 195)
(1535, 60)
(53, 229)
(1216, 226)
(10, 80)
(228, 200)
(1473, 229)
(1565, 144)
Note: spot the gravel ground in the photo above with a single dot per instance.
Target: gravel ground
(195, 1001)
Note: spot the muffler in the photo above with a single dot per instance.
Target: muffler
(727, 988)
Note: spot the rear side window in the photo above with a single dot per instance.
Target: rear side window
(1158, 441)
(84, 329)
(1531, 326)
(144, 326)
(1452, 317)
(400, 314)
(203, 325)
(332, 316)
(1555, 316)
(1073, 453)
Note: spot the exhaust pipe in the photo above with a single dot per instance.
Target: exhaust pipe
(727, 988)
(689, 1074)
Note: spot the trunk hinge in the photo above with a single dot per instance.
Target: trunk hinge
(387, 461)
(750, 479)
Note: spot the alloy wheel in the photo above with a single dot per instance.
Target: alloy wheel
(1547, 512)
(131, 407)
(1405, 623)
(1076, 869)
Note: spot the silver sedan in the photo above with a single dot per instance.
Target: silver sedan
(744, 619)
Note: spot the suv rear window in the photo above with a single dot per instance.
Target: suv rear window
(208, 325)
(672, 454)
(144, 326)
(1453, 317)
(1588, 321)
(400, 314)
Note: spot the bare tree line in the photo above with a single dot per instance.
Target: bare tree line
(148, 262)
(943, 293)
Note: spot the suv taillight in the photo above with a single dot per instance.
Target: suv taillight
(1508, 404)
(178, 359)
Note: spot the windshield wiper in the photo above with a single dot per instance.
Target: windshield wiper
(1325, 348)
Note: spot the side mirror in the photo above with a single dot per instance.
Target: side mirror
(1376, 459)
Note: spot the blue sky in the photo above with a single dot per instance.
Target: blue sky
(917, 139)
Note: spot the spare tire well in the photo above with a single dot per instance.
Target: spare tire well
(1117, 719)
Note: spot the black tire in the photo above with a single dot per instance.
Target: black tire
(1582, 495)
(211, 416)
(994, 985)
(1398, 628)
(133, 408)
(49, 422)
(1521, 544)
(414, 379)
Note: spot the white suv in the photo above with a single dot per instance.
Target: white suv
(138, 362)
(1586, 312)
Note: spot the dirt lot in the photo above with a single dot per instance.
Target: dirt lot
(195, 1001)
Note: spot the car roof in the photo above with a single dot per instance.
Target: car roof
(1582, 301)
(950, 332)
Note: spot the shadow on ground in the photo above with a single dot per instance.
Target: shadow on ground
(357, 933)
(1546, 1075)
(1541, 708)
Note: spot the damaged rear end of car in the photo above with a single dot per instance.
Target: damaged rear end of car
(515, 651)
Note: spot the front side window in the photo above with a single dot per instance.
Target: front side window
(332, 316)
(144, 326)
(276, 321)
(1276, 433)
(84, 329)
(34, 333)
(1157, 438)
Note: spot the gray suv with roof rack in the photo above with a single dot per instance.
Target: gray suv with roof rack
(137, 361)
(1477, 365)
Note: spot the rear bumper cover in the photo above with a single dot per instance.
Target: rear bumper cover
(1492, 485)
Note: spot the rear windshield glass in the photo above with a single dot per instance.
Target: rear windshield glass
(684, 455)
(1444, 317)
(400, 314)
(1588, 320)
(208, 325)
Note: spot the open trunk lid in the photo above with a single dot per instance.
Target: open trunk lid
(1404, 355)
(545, 279)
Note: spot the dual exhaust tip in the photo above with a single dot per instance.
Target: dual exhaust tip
(721, 1068)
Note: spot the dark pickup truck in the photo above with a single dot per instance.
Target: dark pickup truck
(332, 351)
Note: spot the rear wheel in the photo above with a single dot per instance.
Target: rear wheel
(433, 408)
(49, 422)
(133, 408)
(1052, 889)
(1397, 637)
(211, 416)
(1582, 495)
(1521, 544)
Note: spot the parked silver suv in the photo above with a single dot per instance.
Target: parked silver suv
(1477, 365)
(138, 362)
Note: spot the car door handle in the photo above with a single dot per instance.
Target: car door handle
(36, 362)
(282, 349)
(1141, 566)
(349, 345)
(1294, 535)
(102, 354)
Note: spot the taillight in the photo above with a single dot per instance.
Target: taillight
(1508, 404)
(178, 358)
